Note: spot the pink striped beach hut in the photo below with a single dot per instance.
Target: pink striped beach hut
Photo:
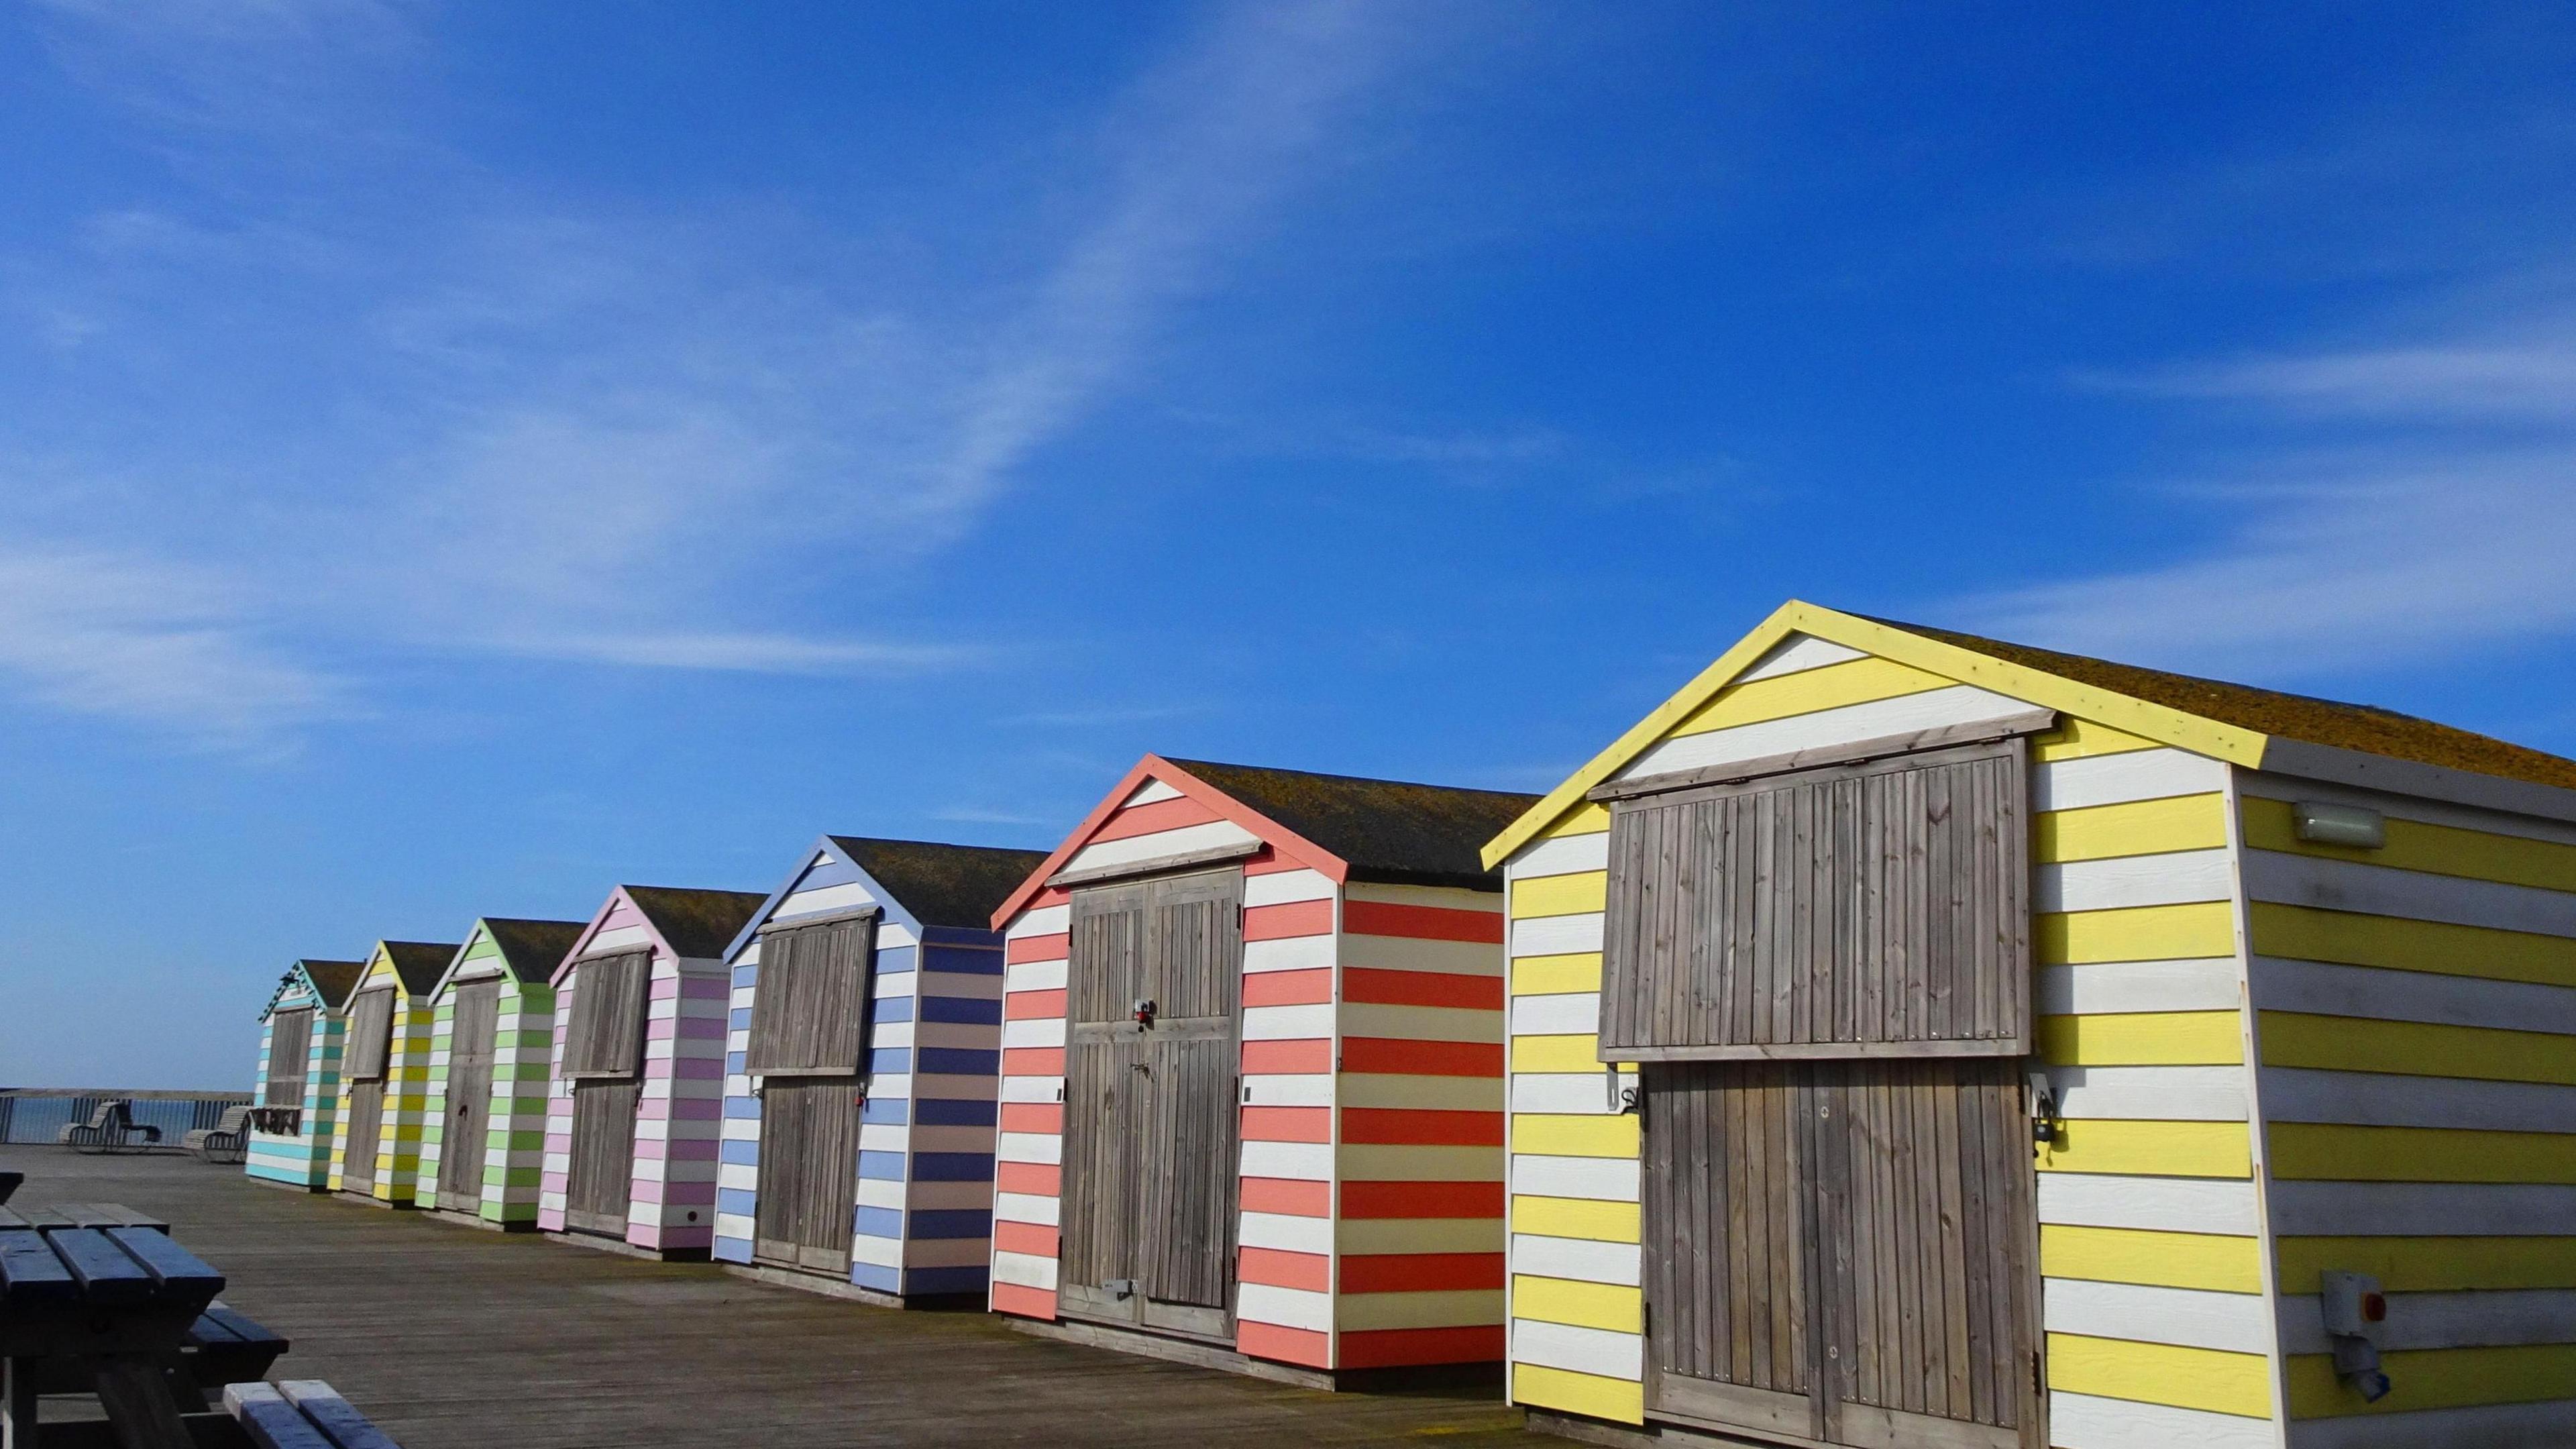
(635, 1116)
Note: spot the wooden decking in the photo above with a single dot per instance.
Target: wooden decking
(451, 1337)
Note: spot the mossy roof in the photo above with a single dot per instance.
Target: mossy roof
(696, 923)
(532, 949)
(1386, 830)
(942, 885)
(333, 979)
(419, 964)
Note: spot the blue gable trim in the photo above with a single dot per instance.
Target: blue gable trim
(841, 870)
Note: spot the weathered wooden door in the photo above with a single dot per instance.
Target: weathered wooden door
(366, 1059)
(1151, 1066)
(604, 1056)
(290, 1057)
(1826, 977)
(464, 1131)
(809, 1169)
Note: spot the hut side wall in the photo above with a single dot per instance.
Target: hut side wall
(2150, 1234)
(301, 1159)
(406, 1092)
(513, 1149)
(2417, 1034)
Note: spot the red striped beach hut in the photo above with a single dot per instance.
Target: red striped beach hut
(1252, 1075)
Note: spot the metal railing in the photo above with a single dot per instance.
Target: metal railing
(37, 1115)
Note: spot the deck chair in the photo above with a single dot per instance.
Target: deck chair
(227, 1141)
(109, 1129)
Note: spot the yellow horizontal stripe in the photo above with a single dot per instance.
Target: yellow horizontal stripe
(2161, 1373)
(2135, 1255)
(2433, 849)
(1583, 1305)
(1584, 819)
(1617, 1400)
(2079, 739)
(2307, 934)
(1560, 895)
(2151, 1149)
(2143, 1038)
(2430, 1265)
(2140, 827)
(1556, 975)
(2420, 1154)
(1575, 1217)
(1568, 1135)
(2441, 1378)
(1857, 681)
(2414, 1048)
(2140, 933)
(1556, 1053)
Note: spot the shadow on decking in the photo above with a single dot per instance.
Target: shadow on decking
(452, 1338)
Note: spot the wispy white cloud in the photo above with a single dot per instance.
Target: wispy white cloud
(2501, 380)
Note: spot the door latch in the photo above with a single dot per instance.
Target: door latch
(1121, 1289)
(2044, 1120)
(1144, 1011)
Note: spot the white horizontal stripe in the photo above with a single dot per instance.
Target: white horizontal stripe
(1034, 976)
(2420, 1209)
(1443, 898)
(1043, 921)
(1295, 1161)
(1565, 855)
(1025, 1270)
(2371, 1099)
(1029, 1147)
(1846, 724)
(2341, 885)
(1287, 1234)
(878, 1192)
(1420, 1023)
(2207, 984)
(2150, 1094)
(2082, 1421)
(2118, 779)
(2487, 1426)
(739, 1176)
(1602, 1179)
(1578, 1350)
(1032, 1089)
(1133, 849)
(876, 1252)
(1279, 888)
(1796, 654)
(1150, 793)
(1573, 1014)
(2157, 1204)
(1044, 1031)
(1288, 953)
(2191, 1317)
(891, 1087)
(842, 897)
(1026, 1207)
(1284, 1307)
(1566, 1092)
(1557, 935)
(2404, 807)
(2328, 989)
(1287, 1023)
(2123, 882)
(617, 938)
(2488, 1319)
(879, 1137)
(1304, 1090)
(891, 1035)
(1578, 1259)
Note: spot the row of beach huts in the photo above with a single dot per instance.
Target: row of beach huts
(1897, 1038)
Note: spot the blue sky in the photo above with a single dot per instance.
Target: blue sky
(454, 459)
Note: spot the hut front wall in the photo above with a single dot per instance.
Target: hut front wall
(2417, 1034)
(406, 1092)
(301, 1159)
(2150, 1233)
(922, 1224)
(671, 1205)
(514, 1145)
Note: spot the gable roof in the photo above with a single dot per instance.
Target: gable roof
(419, 964)
(694, 923)
(531, 949)
(2232, 722)
(941, 885)
(1349, 827)
(329, 981)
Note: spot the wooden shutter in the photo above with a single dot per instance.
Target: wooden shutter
(809, 1015)
(605, 1037)
(463, 1133)
(1874, 908)
(371, 1033)
(290, 1052)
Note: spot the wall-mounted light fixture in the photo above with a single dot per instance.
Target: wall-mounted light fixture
(2356, 826)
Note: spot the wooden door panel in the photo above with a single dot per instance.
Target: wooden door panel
(366, 1124)
(1722, 1171)
(809, 1131)
(603, 1155)
(464, 1133)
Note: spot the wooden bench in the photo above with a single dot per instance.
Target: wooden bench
(227, 1141)
(111, 1128)
(302, 1414)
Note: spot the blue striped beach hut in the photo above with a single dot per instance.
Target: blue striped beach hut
(299, 1074)
(862, 1066)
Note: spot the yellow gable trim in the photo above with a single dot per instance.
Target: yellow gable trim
(2154, 722)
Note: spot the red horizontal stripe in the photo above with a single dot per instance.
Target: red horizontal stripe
(1422, 923)
(1033, 1061)
(1283, 1345)
(1047, 1117)
(1035, 1239)
(1287, 1124)
(1423, 988)
(1403, 1347)
(1291, 918)
(1286, 1196)
(1422, 1199)
(1036, 948)
(1413, 1126)
(1025, 1302)
(1422, 1272)
(1288, 988)
(1137, 820)
(1422, 1058)
(1310, 1271)
(1279, 1058)
(1033, 1005)
(1037, 1179)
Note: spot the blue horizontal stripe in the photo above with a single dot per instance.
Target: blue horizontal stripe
(969, 1278)
(890, 1061)
(961, 1009)
(877, 1276)
(886, 1111)
(959, 1061)
(877, 1222)
(736, 1063)
(738, 1152)
(953, 1223)
(962, 960)
(738, 1019)
(737, 1200)
(947, 1112)
(746, 976)
(731, 1250)
(743, 1109)
(897, 960)
(952, 1166)
(881, 1166)
(891, 1008)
